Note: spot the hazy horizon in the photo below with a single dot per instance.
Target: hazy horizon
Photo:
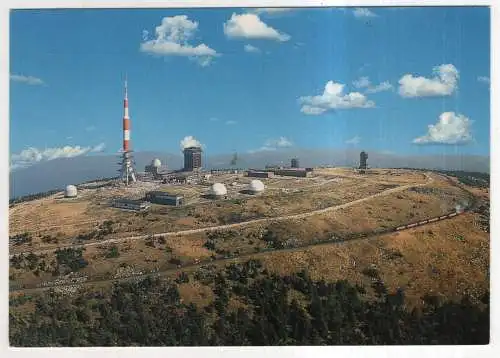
(58, 173)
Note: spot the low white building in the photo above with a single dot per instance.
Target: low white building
(134, 205)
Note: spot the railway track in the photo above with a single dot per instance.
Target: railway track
(360, 236)
(191, 266)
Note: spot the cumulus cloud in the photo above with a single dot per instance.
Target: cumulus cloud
(190, 141)
(30, 80)
(381, 87)
(172, 39)
(273, 144)
(451, 128)
(99, 148)
(484, 79)
(30, 156)
(280, 142)
(272, 10)
(361, 12)
(252, 49)
(333, 97)
(364, 82)
(354, 140)
(444, 83)
(250, 26)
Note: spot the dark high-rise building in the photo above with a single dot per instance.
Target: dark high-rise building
(295, 163)
(363, 156)
(192, 158)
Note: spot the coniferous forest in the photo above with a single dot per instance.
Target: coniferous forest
(273, 310)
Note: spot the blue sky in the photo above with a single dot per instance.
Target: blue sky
(249, 80)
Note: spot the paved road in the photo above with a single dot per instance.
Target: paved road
(238, 225)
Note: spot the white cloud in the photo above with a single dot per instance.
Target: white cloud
(273, 144)
(451, 128)
(262, 149)
(90, 128)
(444, 83)
(145, 35)
(99, 148)
(383, 86)
(364, 82)
(30, 156)
(333, 97)
(361, 82)
(213, 119)
(361, 12)
(190, 141)
(250, 26)
(281, 142)
(230, 122)
(252, 49)
(354, 140)
(484, 79)
(30, 80)
(172, 38)
(272, 10)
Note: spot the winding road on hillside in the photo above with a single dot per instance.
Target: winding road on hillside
(193, 266)
(235, 225)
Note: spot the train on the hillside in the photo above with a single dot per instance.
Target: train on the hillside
(423, 222)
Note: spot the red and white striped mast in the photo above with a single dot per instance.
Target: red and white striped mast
(126, 121)
(127, 170)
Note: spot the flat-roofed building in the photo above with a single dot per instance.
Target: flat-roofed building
(302, 173)
(164, 198)
(129, 204)
(260, 174)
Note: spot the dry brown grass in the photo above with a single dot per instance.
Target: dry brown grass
(433, 260)
(424, 253)
(197, 293)
(67, 218)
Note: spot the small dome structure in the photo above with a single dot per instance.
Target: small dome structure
(218, 189)
(70, 191)
(256, 186)
(156, 163)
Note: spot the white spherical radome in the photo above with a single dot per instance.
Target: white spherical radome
(256, 186)
(70, 191)
(156, 163)
(218, 189)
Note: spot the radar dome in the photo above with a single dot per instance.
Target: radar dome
(156, 163)
(256, 186)
(70, 191)
(218, 189)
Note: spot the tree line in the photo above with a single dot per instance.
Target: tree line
(273, 310)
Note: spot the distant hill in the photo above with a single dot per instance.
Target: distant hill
(60, 172)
